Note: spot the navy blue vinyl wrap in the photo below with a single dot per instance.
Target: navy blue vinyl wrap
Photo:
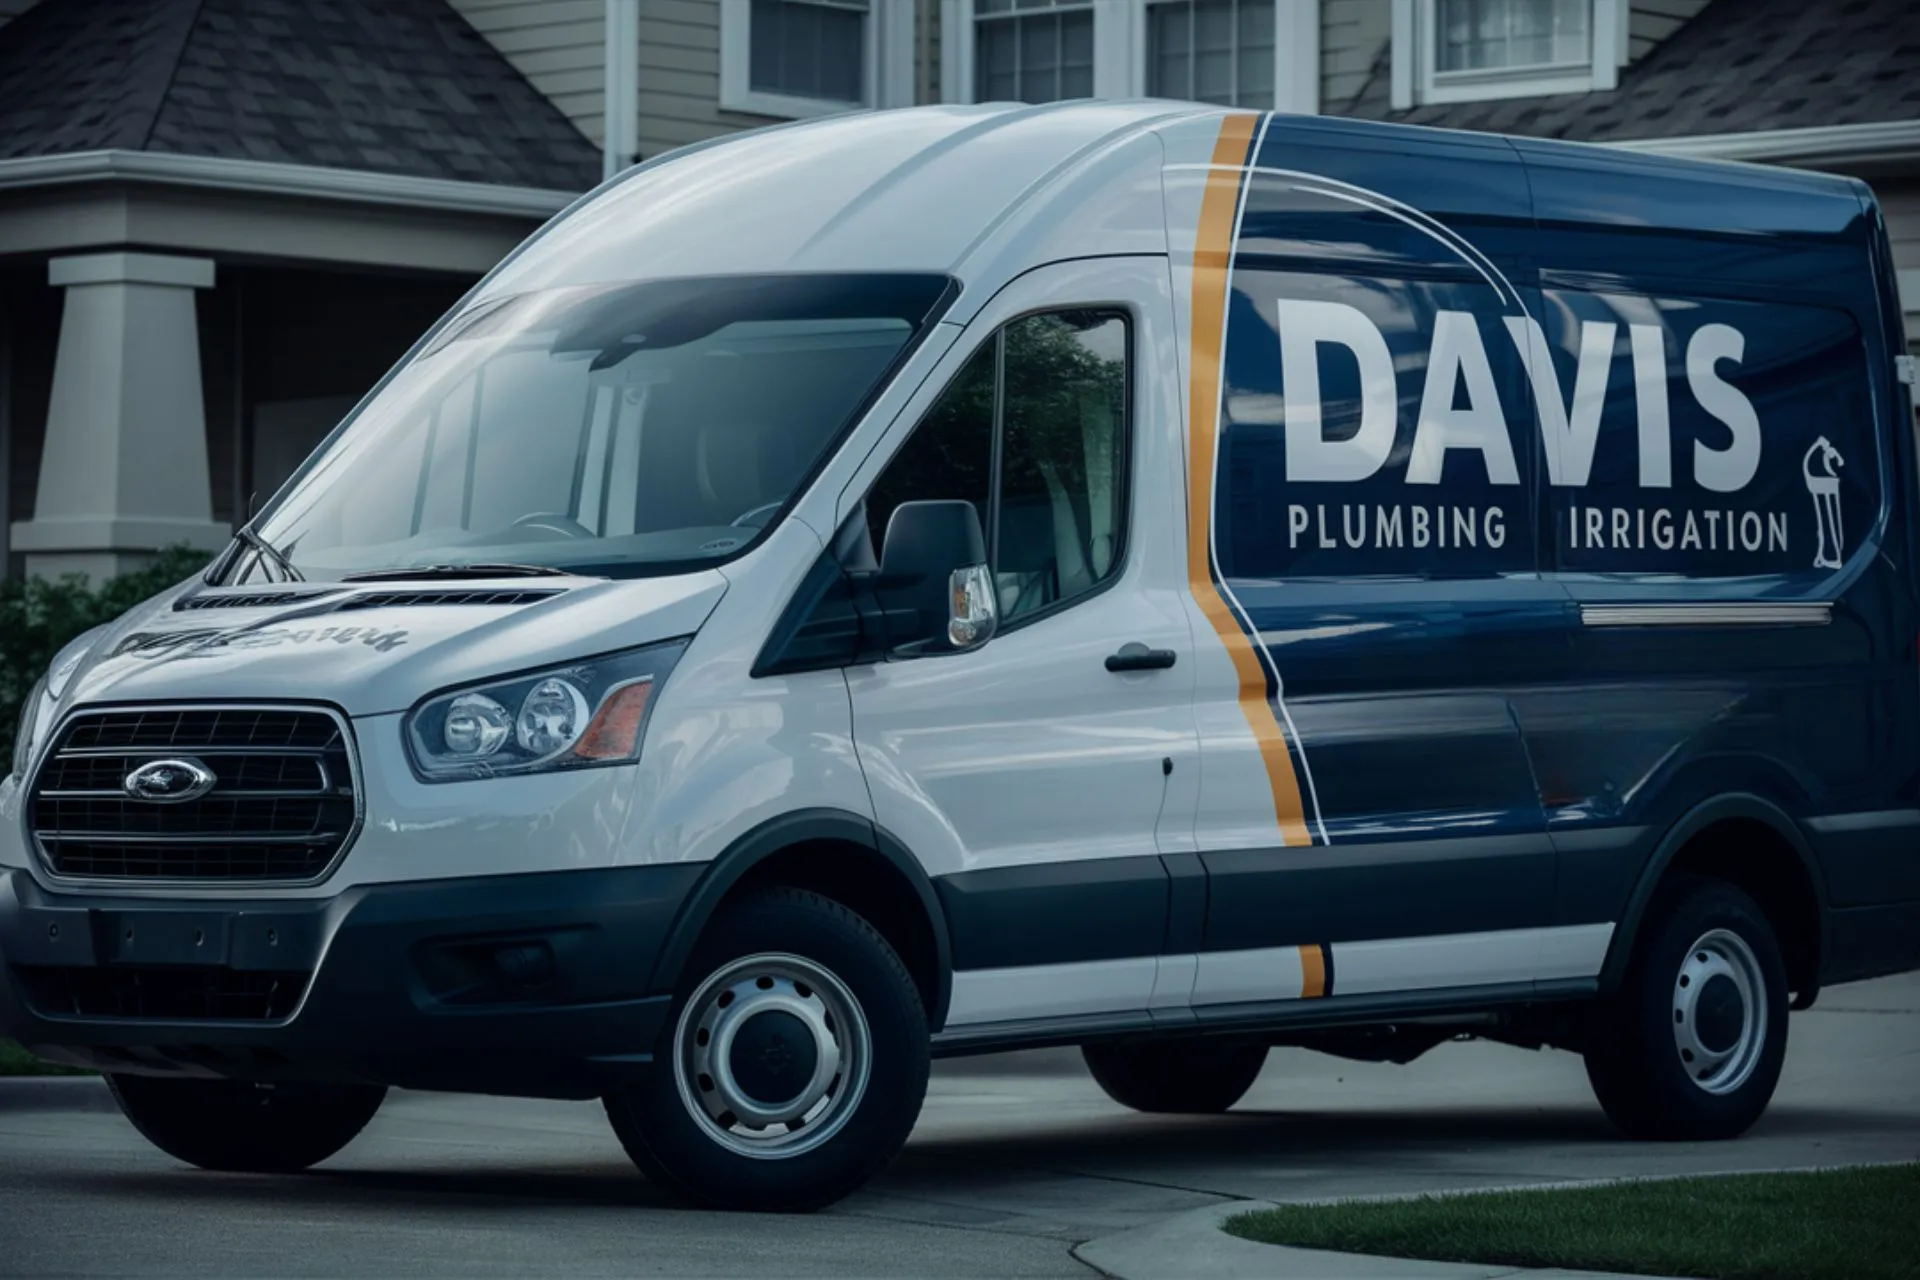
(1477, 390)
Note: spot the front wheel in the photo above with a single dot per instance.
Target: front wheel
(237, 1127)
(794, 1067)
(1193, 1077)
(1690, 1048)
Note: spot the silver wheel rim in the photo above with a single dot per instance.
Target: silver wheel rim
(816, 1012)
(1719, 1012)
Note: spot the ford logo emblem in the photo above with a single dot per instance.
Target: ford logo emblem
(169, 781)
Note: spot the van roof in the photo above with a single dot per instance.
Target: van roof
(987, 191)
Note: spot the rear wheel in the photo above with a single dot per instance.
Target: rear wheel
(235, 1126)
(1181, 1076)
(1691, 1046)
(795, 1064)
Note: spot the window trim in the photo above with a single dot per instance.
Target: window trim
(886, 76)
(1120, 51)
(1417, 81)
(1296, 54)
(1110, 42)
(1129, 318)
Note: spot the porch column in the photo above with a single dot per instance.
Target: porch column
(124, 470)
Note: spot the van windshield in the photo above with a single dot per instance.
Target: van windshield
(620, 430)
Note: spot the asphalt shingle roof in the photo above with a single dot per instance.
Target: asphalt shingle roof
(1739, 66)
(392, 86)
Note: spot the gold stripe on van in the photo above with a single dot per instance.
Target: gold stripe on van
(1212, 264)
(1313, 971)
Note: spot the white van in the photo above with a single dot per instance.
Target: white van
(1134, 575)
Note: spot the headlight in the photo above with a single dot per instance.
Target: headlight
(28, 729)
(586, 714)
(45, 693)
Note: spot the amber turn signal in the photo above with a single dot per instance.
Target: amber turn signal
(614, 731)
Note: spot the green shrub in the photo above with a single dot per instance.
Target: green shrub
(39, 615)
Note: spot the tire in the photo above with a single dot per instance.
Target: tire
(1191, 1077)
(1690, 1047)
(792, 1004)
(237, 1127)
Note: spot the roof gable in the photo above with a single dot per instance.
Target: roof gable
(389, 86)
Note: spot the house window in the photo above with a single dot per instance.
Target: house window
(1463, 50)
(809, 49)
(1510, 35)
(1259, 54)
(1032, 50)
(1219, 51)
(795, 58)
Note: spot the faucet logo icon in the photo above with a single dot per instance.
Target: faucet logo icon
(1821, 467)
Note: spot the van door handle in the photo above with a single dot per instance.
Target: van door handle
(1135, 656)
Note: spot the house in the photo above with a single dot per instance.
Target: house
(221, 220)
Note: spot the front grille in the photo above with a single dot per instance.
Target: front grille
(281, 807)
(162, 992)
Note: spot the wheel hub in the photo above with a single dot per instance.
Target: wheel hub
(773, 1057)
(772, 1054)
(1719, 1012)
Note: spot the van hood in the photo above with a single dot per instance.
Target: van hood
(370, 648)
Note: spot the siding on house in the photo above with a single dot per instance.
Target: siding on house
(558, 45)
(1353, 34)
(680, 76)
(926, 51)
(1901, 204)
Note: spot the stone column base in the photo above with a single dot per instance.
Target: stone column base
(101, 547)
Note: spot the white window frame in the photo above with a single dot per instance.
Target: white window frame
(1296, 54)
(1417, 79)
(1120, 51)
(887, 77)
(1110, 45)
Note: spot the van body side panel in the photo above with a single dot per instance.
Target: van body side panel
(726, 752)
(1372, 527)
(1732, 519)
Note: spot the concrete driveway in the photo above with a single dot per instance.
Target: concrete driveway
(1016, 1159)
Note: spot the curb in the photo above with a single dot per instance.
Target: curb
(1193, 1246)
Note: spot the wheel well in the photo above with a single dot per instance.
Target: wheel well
(1757, 859)
(868, 884)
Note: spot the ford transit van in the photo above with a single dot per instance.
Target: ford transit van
(1140, 576)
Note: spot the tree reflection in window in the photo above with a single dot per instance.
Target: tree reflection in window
(1047, 398)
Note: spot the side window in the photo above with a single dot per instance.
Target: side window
(949, 455)
(1047, 397)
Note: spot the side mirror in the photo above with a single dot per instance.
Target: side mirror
(933, 581)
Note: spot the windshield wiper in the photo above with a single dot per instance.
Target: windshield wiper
(268, 552)
(481, 570)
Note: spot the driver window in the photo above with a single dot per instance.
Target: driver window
(1047, 397)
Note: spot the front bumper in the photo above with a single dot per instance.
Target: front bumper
(527, 985)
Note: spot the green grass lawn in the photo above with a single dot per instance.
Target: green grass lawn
(15, 1061)
(1847, 1224)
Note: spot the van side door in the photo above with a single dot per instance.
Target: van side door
(1034, 776)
